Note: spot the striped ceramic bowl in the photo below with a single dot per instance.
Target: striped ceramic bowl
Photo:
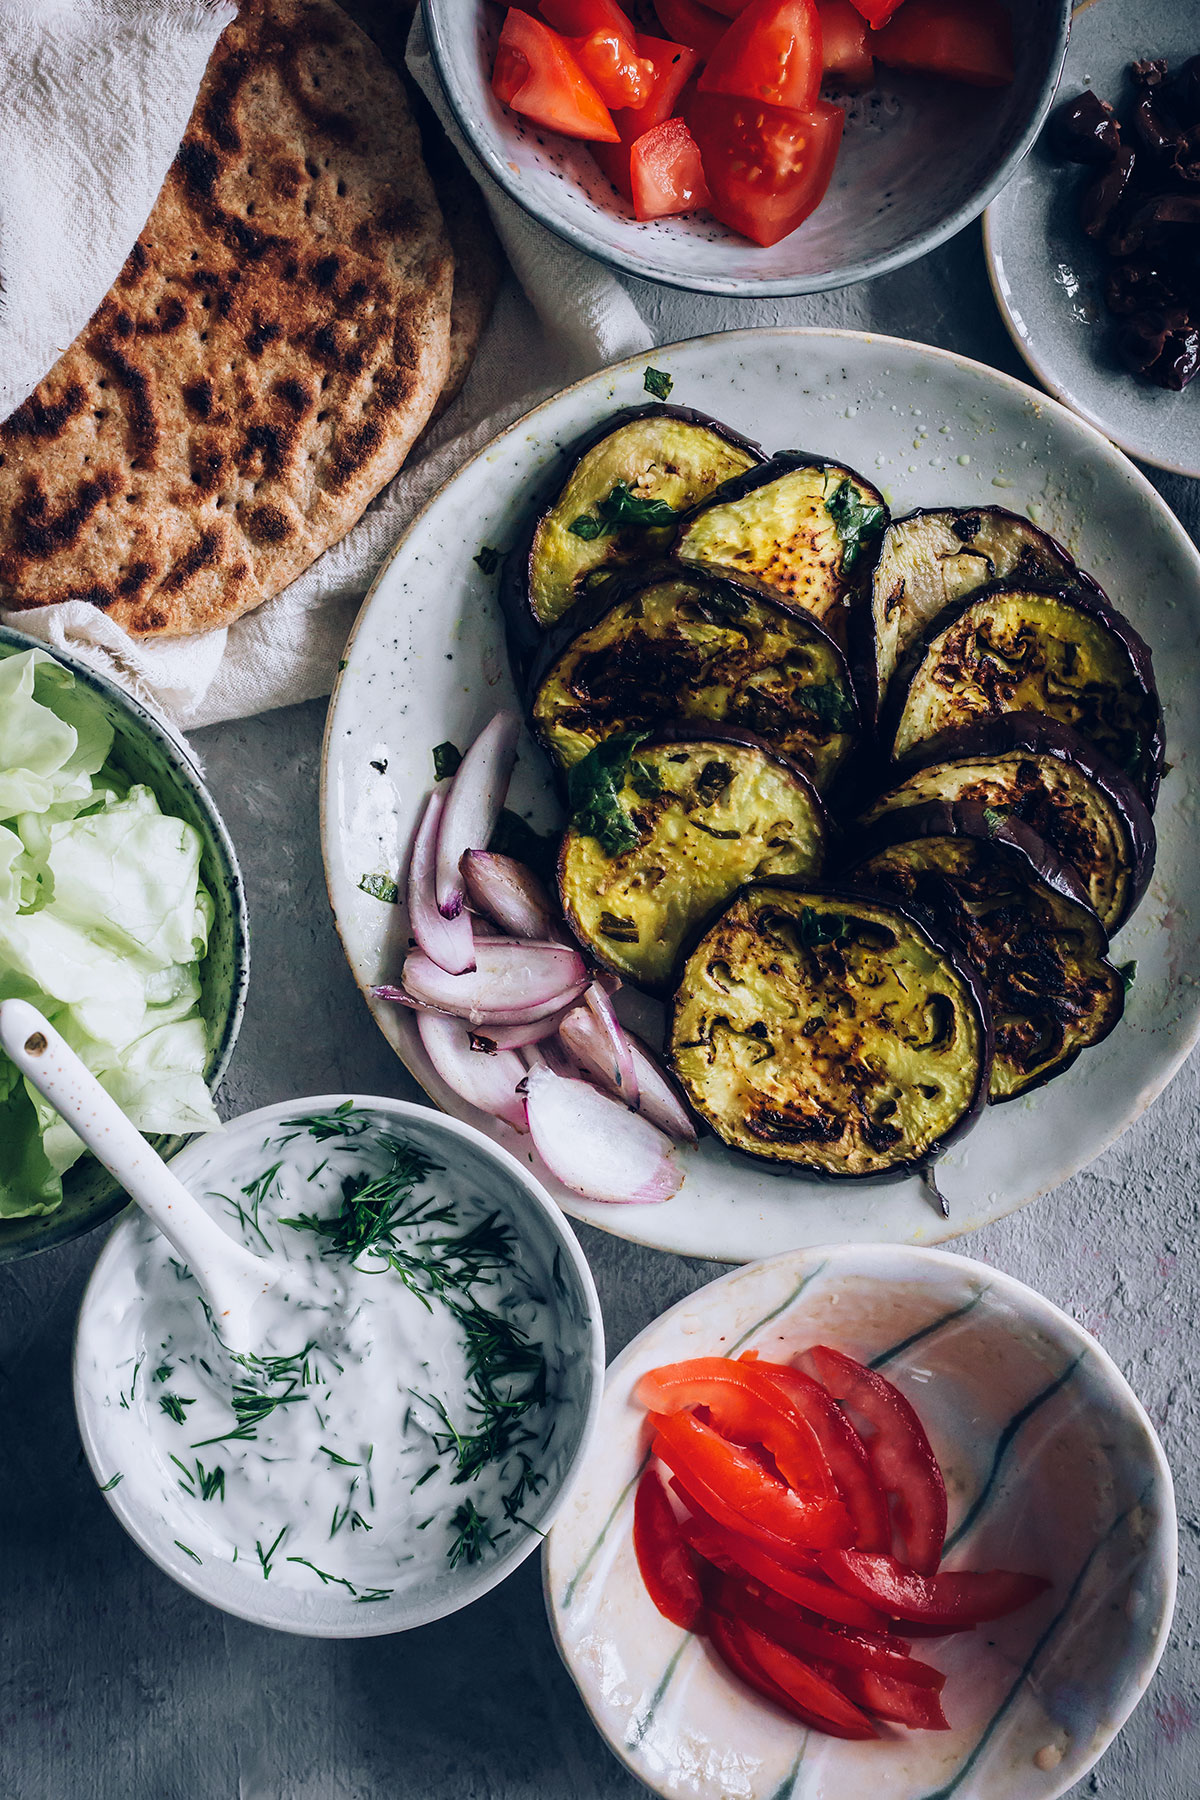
(1051, 1465)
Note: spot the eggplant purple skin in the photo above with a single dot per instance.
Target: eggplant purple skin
(1037, 734)
(945, 945)
(694, 734)
(1090, 598)
(522, 631)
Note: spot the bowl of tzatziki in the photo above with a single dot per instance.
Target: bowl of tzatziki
(424, 1385)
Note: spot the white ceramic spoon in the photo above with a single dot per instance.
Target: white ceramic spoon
(232, 1278)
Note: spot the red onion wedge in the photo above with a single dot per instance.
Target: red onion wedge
(517, 1037)
(450, 943)
(473, 805)
(509, 893)
(658, 1100)
(596, 1146)
(513, 983)
(622, 1075)
(487, 1081)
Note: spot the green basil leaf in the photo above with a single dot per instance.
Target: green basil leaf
(488, 559)
(814, 928)
(829, 702)
(855, 522)
(380, 887)
(594, 793)
(446, 758)
(658, 383)
(587, 527)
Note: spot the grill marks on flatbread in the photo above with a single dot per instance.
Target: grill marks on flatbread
(273, 346)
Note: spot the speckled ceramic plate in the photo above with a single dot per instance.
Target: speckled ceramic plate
(427, 662)
(1047, 277)
(1051, 1465)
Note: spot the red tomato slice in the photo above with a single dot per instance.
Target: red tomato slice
(828, 1708)
(672, 64)
(663, 1556)
(727, 1641)
(770, 53)
(898, 1701)
(619, 75)
(538, 77)
(967, 40)
(784, 1625)
(746, 1405)
(958, 1599)
(878, 12)
(666, 173)
(734, 1488)
(579, 18)
(845, 1453)
(900, 1453)
(692, 24)
(845, 55)
(732, 1553)
(767, 167)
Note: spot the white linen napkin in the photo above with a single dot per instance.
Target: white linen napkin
(562, 317)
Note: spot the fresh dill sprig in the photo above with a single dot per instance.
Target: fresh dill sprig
(472, 1535)
(127, 1399)
(113, 1482)
(323, 1126)
(162, 1372)
(265, 1556)
(188, 1552)
(205, 1484)
(342, 1461)
(175, 1407)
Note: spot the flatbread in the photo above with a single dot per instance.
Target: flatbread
(275, 343)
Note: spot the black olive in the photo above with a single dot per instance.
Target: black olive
(1102, 197)
(1180, 359)
(1086, 129)
(1185, 92)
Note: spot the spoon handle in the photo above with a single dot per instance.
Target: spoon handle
(230, 1275)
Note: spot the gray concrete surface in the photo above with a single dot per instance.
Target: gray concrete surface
(117, 1685)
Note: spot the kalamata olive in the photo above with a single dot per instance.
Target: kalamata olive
(1133, 287)
(1180, 359)
(1086, 129)
(1103, 196)
(1185, 93)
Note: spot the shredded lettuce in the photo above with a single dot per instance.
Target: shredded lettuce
(104, 922)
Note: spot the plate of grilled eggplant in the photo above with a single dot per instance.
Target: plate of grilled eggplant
(851, 780)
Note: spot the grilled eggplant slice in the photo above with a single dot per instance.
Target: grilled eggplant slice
(663, 831)
(1021, 650)
(831, 1031)
(933, 558)
(706, 651)
(1021, 914)
(807, 529)
(621, 500)
(1029, 767)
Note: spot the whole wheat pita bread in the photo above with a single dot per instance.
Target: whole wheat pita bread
(274, 345)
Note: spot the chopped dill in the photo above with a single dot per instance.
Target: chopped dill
(205, 1484)
(162, 1371)
(343, 1461)
(175, 1407)
(112, 1482)
(187, 1552)
(472, 1535)
(127, 1399)
(265, 1556)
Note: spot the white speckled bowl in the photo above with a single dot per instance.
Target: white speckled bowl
(920, 159)
(1051, 1465)
(148, 1504)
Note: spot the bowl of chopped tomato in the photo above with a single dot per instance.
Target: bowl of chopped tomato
(865, 1519)
(750, 146)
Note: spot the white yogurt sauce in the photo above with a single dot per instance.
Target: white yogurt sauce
(336, 1456)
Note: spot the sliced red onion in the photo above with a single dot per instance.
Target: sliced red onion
(516, 1037)
(450, 943)
(514, 982)
(508, 892)
(595, 1145)
(473, 805)
(622, 1072)
(487, 1081)
(658, 1099)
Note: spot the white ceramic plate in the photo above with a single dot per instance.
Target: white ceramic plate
(427, 662)
(1051, 1465)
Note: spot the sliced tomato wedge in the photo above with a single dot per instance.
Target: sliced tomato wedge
(611, 63)
(966, 40)
(732, 1553)
(845, 1453)
(878, 12)
(770, 53)
(663, 1556)
(536, 74)
(845, 56)
(665, 172)
(746, 1405)
(957, 1599)
(767, 167)
(900, 1452)
(727, 1641)
(672, 64)
(898, 1701)
(828, 1708)
(687, 22)
(579, 18)
(732, 1487)
(841, 1648)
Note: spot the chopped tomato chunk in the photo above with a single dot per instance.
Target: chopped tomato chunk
(767, 167)
(957, 1599)
(690, 23)
(771, 52)
(967, 40)
(619, 75)
(845, 56)
(878, 12)
(665, 172)
(672, 65)
(663, 1556)
(537, 76)
(579, 18)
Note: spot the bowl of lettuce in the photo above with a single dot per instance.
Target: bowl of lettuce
(122, 916)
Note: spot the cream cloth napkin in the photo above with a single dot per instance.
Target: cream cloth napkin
(561, 317)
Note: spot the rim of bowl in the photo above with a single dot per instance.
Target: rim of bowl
(739, 286)
(368, 1621)
(155, 727)
(1019, 1292)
